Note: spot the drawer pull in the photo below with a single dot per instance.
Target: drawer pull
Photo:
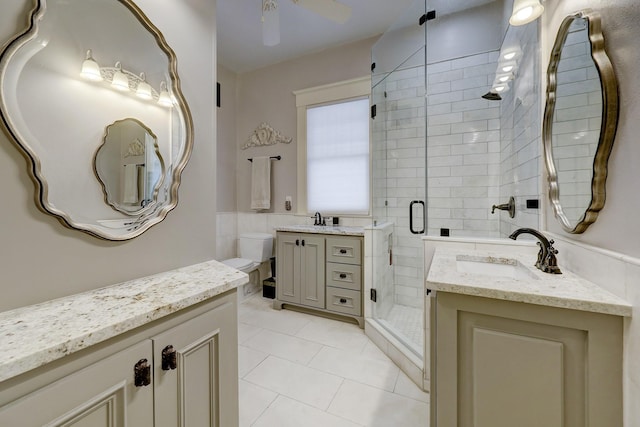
(343, 276)
(142, 373)
(343, 300)
(343, 251)
(169, 361)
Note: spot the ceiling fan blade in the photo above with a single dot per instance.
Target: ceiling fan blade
(329, 9)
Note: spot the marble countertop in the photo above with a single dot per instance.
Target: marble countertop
(35, 335)
(323, 229)
(565, 290)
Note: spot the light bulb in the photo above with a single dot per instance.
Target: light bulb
(509, 55)
(90, 68)
(120, 81)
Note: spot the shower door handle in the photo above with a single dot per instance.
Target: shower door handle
(419, 202)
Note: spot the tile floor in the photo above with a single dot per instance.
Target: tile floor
(407, 321)
(299, 370)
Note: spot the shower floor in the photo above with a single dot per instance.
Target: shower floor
(407, 323)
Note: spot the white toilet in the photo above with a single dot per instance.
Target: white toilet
(254, 248)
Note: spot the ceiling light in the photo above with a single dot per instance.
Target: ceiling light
(502, 78)
(525, 11)
(120, 81)
(507, 67)
(270, 23)
(510, 53)
(500, 88)
(90, 68)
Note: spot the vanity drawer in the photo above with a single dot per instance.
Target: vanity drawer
(344, 276)
(344, 301)
(346, 250)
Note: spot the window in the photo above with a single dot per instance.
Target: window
(333, 151)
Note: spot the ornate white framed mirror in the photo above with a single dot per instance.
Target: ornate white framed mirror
(580, 121)
(79, 68)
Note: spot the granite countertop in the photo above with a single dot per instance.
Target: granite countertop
(323, 229)
(565, 290)
(35, 335)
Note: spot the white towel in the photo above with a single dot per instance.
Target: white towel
(261, 183)
(130, 193)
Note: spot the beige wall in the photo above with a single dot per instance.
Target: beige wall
(599, 253)
(617, 227)
(40, 259)
(266, 95)
(227, 145)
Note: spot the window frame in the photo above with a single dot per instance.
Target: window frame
(333, 93)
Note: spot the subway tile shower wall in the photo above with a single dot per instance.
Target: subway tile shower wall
(478, 152)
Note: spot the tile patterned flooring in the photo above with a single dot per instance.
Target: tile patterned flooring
(298, 370)
(407, 321)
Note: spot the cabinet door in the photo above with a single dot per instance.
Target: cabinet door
(312, 271)
(288, 259)
(201, 388)
(102, 394)
(503, 364)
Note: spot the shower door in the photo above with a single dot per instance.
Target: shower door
(399, 179)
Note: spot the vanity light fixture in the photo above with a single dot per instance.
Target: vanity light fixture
(125, 81)
(90, 68)
(164, 98)
(525, 11)
(144, 89)
(119, 80)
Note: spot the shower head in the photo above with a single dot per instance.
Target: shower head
(492, 96)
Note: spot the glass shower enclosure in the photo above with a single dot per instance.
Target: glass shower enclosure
(446, 146)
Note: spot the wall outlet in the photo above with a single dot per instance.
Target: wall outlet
(287, 203)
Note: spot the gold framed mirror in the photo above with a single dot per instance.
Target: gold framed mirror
(59, 97)
(580, 121)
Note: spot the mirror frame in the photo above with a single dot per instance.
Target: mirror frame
(104, 185)
(141, 223)
(610, 107)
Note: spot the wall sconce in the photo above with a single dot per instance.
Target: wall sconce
(124, 80)
(525, 11)
(90, 68)
(118, 80)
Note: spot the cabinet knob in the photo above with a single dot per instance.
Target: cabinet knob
(343, 300)
(343, 251)
(142, 373)
(302, 242)
(169, 359)
(297, 242)
(343, 276)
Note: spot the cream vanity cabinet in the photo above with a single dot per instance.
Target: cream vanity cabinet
(301, 269)
(320, 271)
(547, 352)
(180, 370)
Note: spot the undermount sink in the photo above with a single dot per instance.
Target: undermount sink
(493, 266)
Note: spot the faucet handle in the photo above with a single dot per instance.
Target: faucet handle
(550, 264)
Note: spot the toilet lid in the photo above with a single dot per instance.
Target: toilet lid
(238, 263)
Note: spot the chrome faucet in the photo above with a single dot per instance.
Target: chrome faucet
(547, 261)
